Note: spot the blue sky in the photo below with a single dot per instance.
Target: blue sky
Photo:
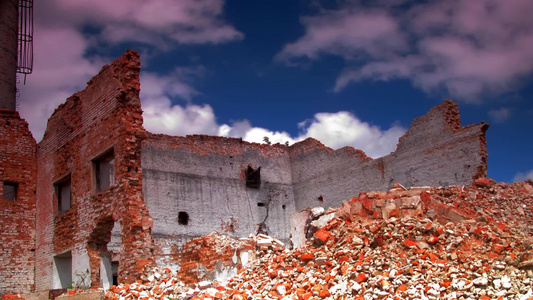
(349, 73)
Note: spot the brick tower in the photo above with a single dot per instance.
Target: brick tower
(17, 167)
(8, 52)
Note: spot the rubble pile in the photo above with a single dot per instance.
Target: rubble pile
(197, 255)
(424, 243)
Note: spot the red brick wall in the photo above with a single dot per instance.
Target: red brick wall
(106, 115)
(17, 218)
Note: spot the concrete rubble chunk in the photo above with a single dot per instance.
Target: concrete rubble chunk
(317, 211)
(322, 221)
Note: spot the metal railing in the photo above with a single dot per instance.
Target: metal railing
(25, 38)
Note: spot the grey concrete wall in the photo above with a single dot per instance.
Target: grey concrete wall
(435, 151)
(204, 177)
(334, 176)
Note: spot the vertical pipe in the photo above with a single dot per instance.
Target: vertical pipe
(8, 53)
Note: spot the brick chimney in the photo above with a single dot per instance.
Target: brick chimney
(8, 53)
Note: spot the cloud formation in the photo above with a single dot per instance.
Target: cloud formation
(341, 129)
(464, 47)
(521, 176)
(335, 130)
(148, 21)
(500, 115)
(349, 33)
(161, 115)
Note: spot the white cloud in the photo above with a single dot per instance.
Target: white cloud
(465, 47)
(150, 21)
(521, 176)
(341, 129)
(500, 115)
(161, 115)
(175, 84)
(244, 129)
(348, 33)
(257, 134)
(335, 130)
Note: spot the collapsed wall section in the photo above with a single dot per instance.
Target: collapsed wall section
(17, 204)
(194, 185)
(435, 151)
(89, 183)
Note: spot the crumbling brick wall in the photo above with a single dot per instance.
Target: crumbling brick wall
(17, 216)
(213, 256)
(435, 151)
(204, 177)
(105, 116)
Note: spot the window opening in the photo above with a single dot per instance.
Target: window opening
(183, 218)
(104, 171)
(114, 269)
(253, 177)
(260, 204)
(10, 191)
(63, 194)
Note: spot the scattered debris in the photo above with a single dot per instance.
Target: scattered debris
(423, 243)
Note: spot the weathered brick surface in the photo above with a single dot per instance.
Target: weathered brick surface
(17, 218)
(106, 115)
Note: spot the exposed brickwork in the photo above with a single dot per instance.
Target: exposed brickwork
(104, 116)
(200, 257)
(17, 218)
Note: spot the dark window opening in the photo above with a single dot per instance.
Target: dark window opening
(283, 206)
(320, 199)
(183, 218)
(260, 204)
(253, 177)
(104, 171)
(114, 270)
(10, 191)
(63, 195)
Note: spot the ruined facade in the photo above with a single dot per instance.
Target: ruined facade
(17, 203)
(89, 179)
(113, 198)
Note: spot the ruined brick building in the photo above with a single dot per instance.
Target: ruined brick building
(99, 198)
